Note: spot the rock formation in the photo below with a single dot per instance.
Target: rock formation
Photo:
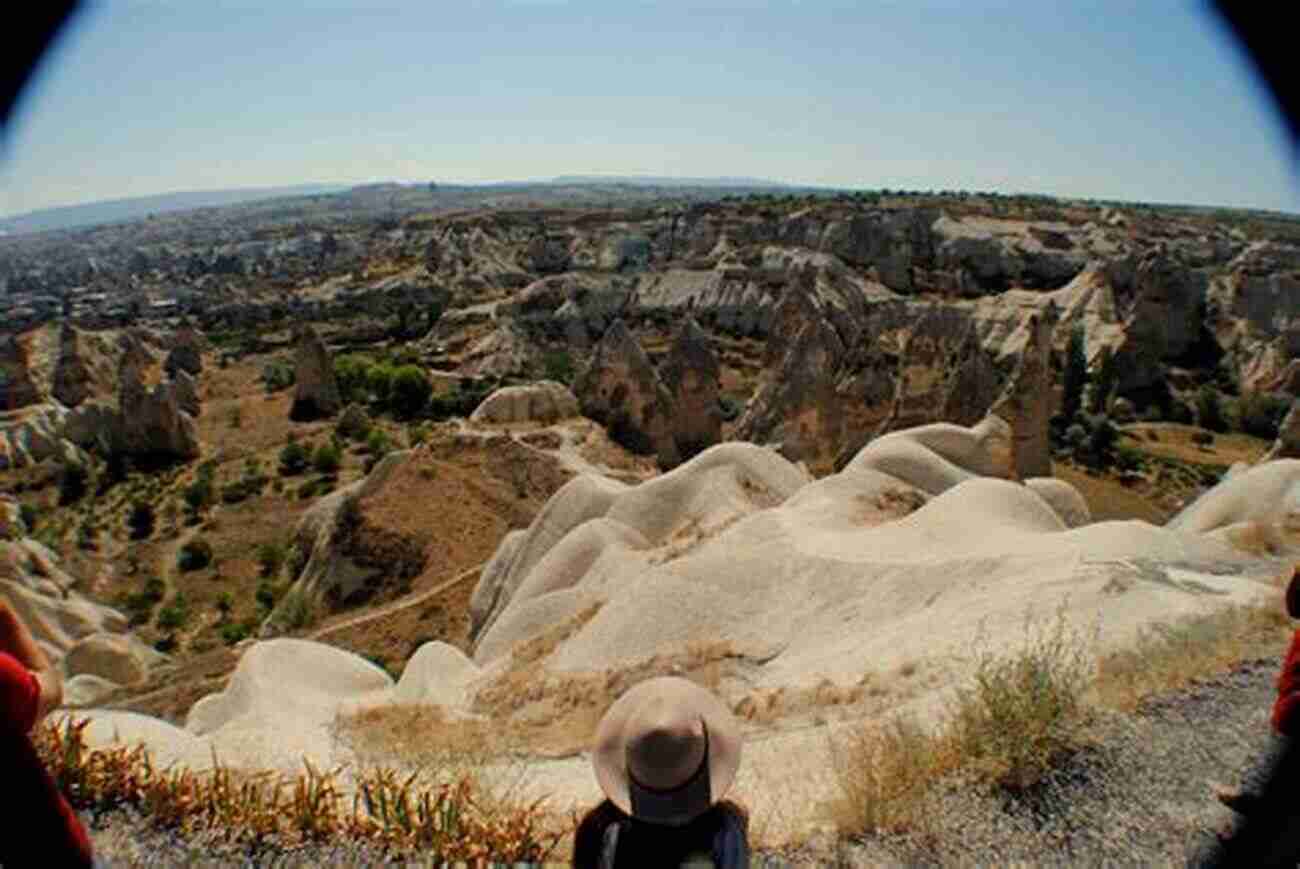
(71, 384)
(186, 353)
(88, 641)
(1026, 402)
(17, 389)
(542, 402)
(315, 391)
(620, 389)
(144, 421)
(691, 374)
(187, 392)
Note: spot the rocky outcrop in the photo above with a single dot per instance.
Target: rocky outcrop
(187, 392)
(145, 421)
(71, 384)
(83, 638)
(33, 434)
(620, 389)
(1287, 445)
(691, 374)
(1026, 403)
(796, 404)
(186, 354)
(315, 391)
(17, 388)
(542, 402)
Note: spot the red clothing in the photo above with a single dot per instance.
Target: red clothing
(38, 826)
(1286, 711)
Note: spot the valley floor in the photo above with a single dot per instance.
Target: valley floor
(1140, 795)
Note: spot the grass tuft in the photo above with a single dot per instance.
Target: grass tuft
(449, 822)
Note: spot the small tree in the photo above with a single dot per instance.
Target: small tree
(293, 459)
(140, 520)
(1075, 376)
(350, 372)
(1209, 409)
(194, 555)
(326, 459)
(409, 391)
(73, 479)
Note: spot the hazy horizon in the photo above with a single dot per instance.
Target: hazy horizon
(1141, 102)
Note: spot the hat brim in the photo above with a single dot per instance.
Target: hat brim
(1293, 594)
(609, 753)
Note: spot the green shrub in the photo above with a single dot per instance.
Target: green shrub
(270, 558)
(139, 604)
(1209, 409)
(1024, 712)
(233, 632)
(350, 372)
(225, 603)
(194, 555)
(140, 520)
(326, 459)
(379, 381)
(730, 408)
(408, 391)
(265, 596)
(377, 443)
(294, 459)
(174, 616)
(198, 494)
(557, 365)
(277, 374)
(29, 515)
(416, 435)
(1261, 414)
(73, 482)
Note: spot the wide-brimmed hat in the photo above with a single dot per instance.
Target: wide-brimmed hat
(666, 751)
(1293, 594)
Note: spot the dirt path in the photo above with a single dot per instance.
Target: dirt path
(323, 633)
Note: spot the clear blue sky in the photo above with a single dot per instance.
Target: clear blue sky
(1142, 100)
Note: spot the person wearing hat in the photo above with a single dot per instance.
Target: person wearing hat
(665, 755)
(1268, 830)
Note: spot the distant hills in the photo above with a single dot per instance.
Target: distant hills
(113, 210)
(663, 181)
(135, 208)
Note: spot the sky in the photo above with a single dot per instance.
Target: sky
(1143, 100)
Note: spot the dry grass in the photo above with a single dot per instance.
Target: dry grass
(1108, 499)
(448, 822)
(1169, 656)
(1021, 715)
(1024, 713)
(525, 711)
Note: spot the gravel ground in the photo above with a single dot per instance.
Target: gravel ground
(1140, 795)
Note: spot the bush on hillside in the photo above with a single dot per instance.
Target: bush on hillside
(1209, 409)
(140, 520)
(73, 482)
(294, 459)
(1260, 414)
(326, 459)
(196, 554)
(277, 374)
(409, 391)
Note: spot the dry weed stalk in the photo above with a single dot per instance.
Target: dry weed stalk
(451, 822)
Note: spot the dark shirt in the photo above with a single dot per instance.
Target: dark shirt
(719, 834)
